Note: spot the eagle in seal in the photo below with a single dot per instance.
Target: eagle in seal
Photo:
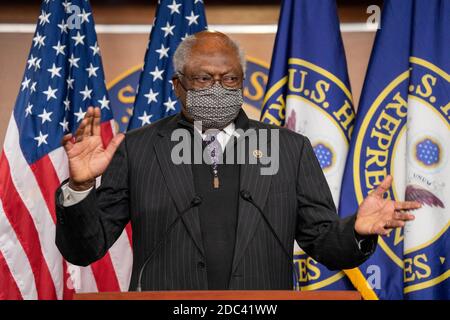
(425, 197)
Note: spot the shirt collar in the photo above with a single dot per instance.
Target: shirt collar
(229, 130)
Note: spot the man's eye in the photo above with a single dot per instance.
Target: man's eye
(230, 79)
(202, 79)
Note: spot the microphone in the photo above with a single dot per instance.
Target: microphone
(247, 196)
(196, 201)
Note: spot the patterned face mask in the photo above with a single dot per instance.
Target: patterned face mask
(215, 107)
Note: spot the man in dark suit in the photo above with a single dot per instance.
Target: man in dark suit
(210, 225)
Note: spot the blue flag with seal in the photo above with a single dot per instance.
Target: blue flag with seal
(174, 20)
(402, 129)
(426, 243)
(308, 92)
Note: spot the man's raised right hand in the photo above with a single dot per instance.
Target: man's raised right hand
(88, 159)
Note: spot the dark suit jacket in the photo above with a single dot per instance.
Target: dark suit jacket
(142, 185)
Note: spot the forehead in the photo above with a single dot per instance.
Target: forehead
(212, 56)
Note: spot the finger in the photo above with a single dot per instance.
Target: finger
(89, 116)
(391, 224)
(96, 129)
(403, 216)
(407, 205)
(114, 144)
(382, 230)
(66, 142)
(383, 187)
(80, 131)
(66, 138)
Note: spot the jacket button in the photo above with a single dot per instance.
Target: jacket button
(201, 264)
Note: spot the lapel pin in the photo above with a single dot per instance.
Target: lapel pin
(257, 154)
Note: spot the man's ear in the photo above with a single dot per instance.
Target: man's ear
(180, 92)
(177, 87)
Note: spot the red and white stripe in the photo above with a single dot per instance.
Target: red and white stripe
(31, 266)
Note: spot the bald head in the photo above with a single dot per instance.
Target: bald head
(206, 43)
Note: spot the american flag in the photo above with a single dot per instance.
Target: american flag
(63, 76)
(174, 20)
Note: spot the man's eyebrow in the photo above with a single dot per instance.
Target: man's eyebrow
(209, 72)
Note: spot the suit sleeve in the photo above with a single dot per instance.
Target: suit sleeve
(320, 233)
(86, 230)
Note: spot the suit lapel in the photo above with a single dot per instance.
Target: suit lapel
(180, 182)
(248, 217)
